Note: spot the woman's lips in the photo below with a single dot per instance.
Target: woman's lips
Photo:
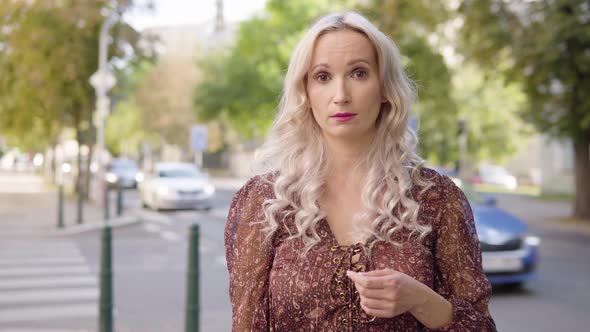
(342, 117)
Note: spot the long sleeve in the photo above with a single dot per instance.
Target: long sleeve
(459, 275)
(249, 258)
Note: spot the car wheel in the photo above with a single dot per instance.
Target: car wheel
(515, 286)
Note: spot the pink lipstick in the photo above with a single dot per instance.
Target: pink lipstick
(343, 117)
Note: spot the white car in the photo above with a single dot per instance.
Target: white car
(495, 175)
(176, 186)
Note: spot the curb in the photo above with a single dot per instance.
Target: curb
(97, 225)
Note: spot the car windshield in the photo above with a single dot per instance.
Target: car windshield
(123, 165)
(178, 173)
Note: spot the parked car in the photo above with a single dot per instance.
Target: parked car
(494, 175)
(16, 161)
(509, 252)
(123, 172)
(176, 186)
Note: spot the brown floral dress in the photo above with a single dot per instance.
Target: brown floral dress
(273, 289)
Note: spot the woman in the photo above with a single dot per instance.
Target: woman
(344, 229)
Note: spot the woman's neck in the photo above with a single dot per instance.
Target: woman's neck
(346, 160)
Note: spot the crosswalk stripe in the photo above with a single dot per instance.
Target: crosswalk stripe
(12, 232)
(41, 260)
(47, 270)
(35, 253)
(47, 282)
(42, 295)
(48, 252)
(48, 312)
(38, 244)
(28, 329)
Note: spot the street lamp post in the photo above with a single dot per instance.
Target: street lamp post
(102, 81)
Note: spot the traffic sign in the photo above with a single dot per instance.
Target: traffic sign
(198, 138)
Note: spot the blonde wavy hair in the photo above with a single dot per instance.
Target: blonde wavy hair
(296, 154)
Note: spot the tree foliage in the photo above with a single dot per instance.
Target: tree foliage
(243, 84)
(158, 106)
(491, 113)
(409, 24)
(547, 44)
(48, 51)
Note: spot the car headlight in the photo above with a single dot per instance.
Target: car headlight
(139, 177)
(532, 241)
(209, 189)
(112, 178)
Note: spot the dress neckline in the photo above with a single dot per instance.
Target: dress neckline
(335, 242)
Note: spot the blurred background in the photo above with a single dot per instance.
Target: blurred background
(147, 114)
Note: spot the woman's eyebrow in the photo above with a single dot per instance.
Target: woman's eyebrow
(349, 63)
(355, 61)
(320, 65)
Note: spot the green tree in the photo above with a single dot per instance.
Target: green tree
(546, 44)
(48, 51)
(157, 108)
(491, 113)
(410, 23)
(243, 84)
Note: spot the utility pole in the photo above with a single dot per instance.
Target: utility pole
(219, 23)
(102, 81)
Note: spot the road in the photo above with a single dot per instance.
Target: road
(150, 260)
(153, 255)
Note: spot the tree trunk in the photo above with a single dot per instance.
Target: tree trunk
(582, 178)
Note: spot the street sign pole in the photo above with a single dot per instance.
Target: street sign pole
(102, 81)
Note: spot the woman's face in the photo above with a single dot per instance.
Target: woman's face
(343, 85)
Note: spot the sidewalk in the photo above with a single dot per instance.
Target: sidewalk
(548, 215)
(46, 283)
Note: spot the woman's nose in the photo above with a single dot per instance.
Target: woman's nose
(342, 96)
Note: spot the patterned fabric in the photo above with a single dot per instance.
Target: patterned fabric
(272, 288)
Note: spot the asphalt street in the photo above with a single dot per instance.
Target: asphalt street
(150, 264)
(152, 256)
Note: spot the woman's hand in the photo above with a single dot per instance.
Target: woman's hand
(388, 293)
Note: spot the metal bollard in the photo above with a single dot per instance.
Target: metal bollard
(80, 216)
(119, 199)
(105, 311)
(107, 212)
(192, 294)
(60, 206)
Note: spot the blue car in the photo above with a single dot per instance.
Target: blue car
(509, 253)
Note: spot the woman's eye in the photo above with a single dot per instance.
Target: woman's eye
(360, 73)
(322, 77)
